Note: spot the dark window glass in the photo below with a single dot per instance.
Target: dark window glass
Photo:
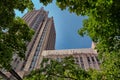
(82, 65)
(93, 59)
(88, 59)
(81, 60)
(77, 61)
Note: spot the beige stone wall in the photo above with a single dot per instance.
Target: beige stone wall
(85, 58)
(93, 45)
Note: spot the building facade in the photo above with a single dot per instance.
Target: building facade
(85, 58)
(43, 39)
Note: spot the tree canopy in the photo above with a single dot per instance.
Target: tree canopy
(65, 69)
(103, 26)
(14, 32)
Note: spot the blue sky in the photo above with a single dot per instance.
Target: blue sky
(66, 25)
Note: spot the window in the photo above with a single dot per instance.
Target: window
(81, 61)
(82, 65)
(88, 59)
(76, 60)
(93, 59)
(32, 65)
(89, 62)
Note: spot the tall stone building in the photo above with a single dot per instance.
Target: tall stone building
(43, 39)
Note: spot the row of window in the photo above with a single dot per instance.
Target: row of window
(15, 63)
(89, 59)
(29, 15)
(25, 17)
(35, 24)
(79, 60)
(38, 49)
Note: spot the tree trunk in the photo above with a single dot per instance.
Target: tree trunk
(3, 75)
(15, 74)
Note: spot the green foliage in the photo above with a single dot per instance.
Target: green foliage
(46, 2)
(7, 10)
(14, 32)
(65, 69)
(103, 27)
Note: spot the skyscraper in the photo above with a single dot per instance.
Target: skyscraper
(43, 39)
